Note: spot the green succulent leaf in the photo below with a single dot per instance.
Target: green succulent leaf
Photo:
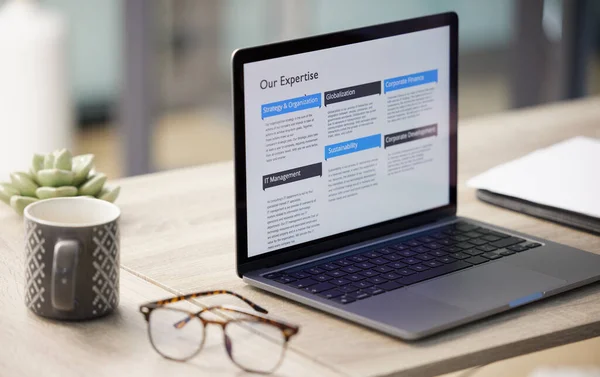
(55, 177)
(37, 163)
(63, 160)
(23, 182)
(93, 186)
(109, 194)
(56, 192)
(18, 203)
(82, 165)
(49, 161)
(7, 191)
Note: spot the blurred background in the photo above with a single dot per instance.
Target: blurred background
(146, 83)
(150, 79)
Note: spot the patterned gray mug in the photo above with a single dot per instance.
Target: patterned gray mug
(72, 261)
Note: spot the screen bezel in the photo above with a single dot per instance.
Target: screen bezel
(315, 43)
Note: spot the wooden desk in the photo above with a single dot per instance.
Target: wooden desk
(178, 237)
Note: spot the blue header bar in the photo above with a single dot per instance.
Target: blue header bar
(408, 81)
(290, 105)
(351, 146)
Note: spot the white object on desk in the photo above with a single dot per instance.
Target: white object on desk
(35, 104)
(565, 176)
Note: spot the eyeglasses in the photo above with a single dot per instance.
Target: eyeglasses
(179, 335)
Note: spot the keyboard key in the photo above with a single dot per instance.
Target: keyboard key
(336, 273)
(331, 294)
(272, 275)
(365, 265)
(369, 273)
(321, 287)
(507, 242)
(446, 259)
(473, 252)
(452, 249)
(410, 261)
(322, 277)
(412, 243)
(286, 279)
(490, 238)
(478, 241)
(460, 255)
(472, 234)
(385, 251)
(491, 255)
(304, 283)
(439, 236)
(379, 261)
(438, 253)
(466, 227)
(424, 257)
(377, 280)
(531, 245)
(348, 288)
(486, 248)
(344, 300)
(498, 234)
(300, 275)
(464, 245)
(351, 269)
(313, 271)
(343, 262)
(506, 252)
(425, 239)
(434, 245)
(460, 238)
(358, 259)
(446, 242)
(476, 260)
(517, 248)
(340, 281)
(393, 257)
(483, 230)
(446, 269)
(405, 272)
(371, 254)
(452, 232)
(433, 264)
(389, 276)
(361, 295)
(374, 290)
(329, 267)
(362, 284)
(355, 277)
(407, 253)
(418, 267)
(384, 269)
(390, 285)
(420, 249)
(400, 247)
(395, 265)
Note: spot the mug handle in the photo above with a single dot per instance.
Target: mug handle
(64, 267)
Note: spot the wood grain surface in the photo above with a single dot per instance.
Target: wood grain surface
(116, 345)
(178, 235)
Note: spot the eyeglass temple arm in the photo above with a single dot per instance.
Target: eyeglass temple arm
(254, 306)
(287, 328)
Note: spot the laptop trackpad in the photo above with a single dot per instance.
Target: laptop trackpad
(488, 286)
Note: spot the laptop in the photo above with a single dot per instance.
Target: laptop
(345, 185)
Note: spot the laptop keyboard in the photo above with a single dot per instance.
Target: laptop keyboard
(360, 274)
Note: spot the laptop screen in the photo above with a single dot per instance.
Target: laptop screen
(342, 138)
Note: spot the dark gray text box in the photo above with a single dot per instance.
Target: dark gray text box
(292, 175)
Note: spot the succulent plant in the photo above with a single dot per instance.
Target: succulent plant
(55, 175)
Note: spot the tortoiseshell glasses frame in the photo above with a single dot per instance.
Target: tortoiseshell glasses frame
(258, 316)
